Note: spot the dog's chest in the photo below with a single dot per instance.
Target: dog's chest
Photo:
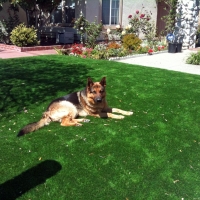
(82, 113)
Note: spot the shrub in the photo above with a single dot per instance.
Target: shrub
(87, 52)
(194, 59)
(113, 45)
(131, 42)
(100, 47)
(77, 49)
(103, 54)
(23, 36)
(63, 51)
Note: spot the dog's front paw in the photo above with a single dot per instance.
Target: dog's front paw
(118, 116)
(129, 113)
(86, 120)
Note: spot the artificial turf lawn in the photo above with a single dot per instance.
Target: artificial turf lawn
(153, 154)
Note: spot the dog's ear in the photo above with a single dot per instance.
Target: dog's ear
(103, 81)
(89, 82)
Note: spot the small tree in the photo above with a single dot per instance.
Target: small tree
(91, 30)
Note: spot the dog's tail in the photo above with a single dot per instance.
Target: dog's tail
(34, 126)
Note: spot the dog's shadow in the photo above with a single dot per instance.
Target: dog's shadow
(14, 188)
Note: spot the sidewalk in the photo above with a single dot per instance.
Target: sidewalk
(5, 54)
(169, 61)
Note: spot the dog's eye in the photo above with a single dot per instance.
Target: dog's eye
(94, 92)
(101, 91)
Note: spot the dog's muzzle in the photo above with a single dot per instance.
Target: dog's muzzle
(98, 100)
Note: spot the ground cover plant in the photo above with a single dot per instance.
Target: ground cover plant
(153, 154)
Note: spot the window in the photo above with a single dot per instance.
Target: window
(65, 12)
(110, 12)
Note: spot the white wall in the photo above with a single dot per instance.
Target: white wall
(93, 10)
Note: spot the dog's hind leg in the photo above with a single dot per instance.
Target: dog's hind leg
(69, 121)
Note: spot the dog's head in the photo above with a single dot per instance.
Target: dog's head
(96, 91)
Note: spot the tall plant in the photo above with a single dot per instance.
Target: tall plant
(89, 29)
(139, 22)
(169, 19)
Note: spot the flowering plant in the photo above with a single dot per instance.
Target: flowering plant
(139, 22)
(77, 49)
(150, 51)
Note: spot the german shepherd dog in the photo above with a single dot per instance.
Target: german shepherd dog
(90, 101)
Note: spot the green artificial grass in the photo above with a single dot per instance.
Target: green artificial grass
(153, 154)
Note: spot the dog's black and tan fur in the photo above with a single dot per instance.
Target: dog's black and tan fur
(90, 101)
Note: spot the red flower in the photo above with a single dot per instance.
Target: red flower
(142, 15)
(148, 18)
(130, 16)
(150, 51)
(137, 11)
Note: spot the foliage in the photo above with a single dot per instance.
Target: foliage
(62, 51)
(104, 54)
(77, 49)
(169, 19)
(7, 25)
(198, 30)
(113, 45)
(150, 32)
(139, 22)
(194, 59)
(23, 36)
(80, 24)
(131, 42)
(90, 30)
(87, 52)
(101, 46)
(114, 34)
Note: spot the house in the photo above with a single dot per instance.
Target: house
(110, 12)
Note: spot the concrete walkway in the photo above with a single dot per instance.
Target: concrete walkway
(169, 61)
(5, 54)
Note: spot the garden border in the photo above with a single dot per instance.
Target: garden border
(136, 55)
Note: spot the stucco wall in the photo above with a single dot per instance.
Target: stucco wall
(93, 10)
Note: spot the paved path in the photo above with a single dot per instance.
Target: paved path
(5, 54)
(169, 61)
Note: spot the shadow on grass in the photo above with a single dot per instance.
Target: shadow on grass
(29, 179)
(27, 81)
